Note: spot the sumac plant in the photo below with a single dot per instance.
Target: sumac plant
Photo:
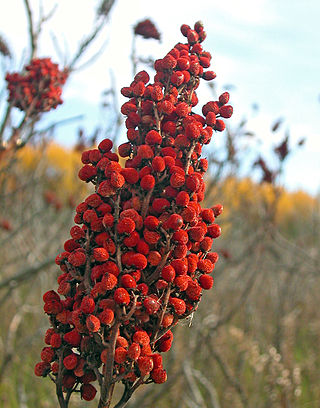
(139, 255)
(38, 88)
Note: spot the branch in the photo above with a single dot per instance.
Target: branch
(189, 158)
(86, 278)
(85, 43)
(61, 122)
(62, 401)
(32, 35)
(5, 120)
(107, 385)
(199, 401)
(26, 273)
(116, 220)
(127, 394)
(145, 205)
(208, 386)
(228, 375)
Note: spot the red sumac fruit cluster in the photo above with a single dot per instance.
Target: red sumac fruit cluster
(139, 255)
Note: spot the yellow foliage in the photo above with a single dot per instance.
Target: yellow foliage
(245, 195)
(296, 204)
(61, 166)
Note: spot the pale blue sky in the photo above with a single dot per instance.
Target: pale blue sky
(269, 49)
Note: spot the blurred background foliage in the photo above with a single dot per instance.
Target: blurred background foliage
(254, 342)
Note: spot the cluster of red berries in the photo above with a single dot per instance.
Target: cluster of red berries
(5, 224)
(147, 30)
(38, 88)
(51, 199)
(140, 254)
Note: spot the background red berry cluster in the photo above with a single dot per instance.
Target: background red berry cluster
(38, 88)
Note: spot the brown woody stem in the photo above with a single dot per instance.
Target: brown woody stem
(116, 219)
(107, 385)
(87, 272)
(145, 205)
(62, 402)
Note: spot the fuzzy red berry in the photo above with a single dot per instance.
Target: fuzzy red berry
(70, 362)
(193, 291)
(127, 281)
(105, 145)
(205, 266)
(214, 230)
(168, 273)
(206, 281)
(73, 337)
(141, 337)
(93, 323)
(100, 254)
(126, 226)
(87, 305)
(179, 305)
(131, 175)
(153, 137)
(87, 172)
(116, 179)
(226, 111)
(159, 375)
(134, 351)
(147, 182)
(182, 199)
(145, 365)
(209, 75)
(220, 125)
(88, 392)
(175, 222)
(120, 355)
(55, 340)
(47, 354)
(160, 204)
(42, 369)
(106, 316)
(158, 164)
(151, 305)
(224, 98)
(121, 296)
(77, 258)
(217, 209)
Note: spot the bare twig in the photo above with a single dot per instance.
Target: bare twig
(32, 34)
(107, 384)
(214, 400)
(145, 204)
(84, 45)
(62, 401)
(127, 394)
(228, 375)
(192, 385)
(9, 346)
(5, 120)
(26, 273)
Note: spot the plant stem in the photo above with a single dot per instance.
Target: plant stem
(107, 387)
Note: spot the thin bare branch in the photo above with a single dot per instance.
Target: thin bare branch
(228, 375)
(32, 34)
(25, 274)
